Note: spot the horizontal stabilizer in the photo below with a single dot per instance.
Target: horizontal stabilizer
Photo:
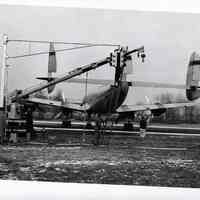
(46, 78)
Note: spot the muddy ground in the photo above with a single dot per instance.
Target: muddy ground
(130, 161)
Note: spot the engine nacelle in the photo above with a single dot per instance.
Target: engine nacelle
(193, 77)
(158, 112)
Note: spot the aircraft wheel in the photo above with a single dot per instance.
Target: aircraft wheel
(66, 124)
(88, 125)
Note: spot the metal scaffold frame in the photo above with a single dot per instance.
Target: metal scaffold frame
(3, 88)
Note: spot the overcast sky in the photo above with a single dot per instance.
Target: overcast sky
(168, 38)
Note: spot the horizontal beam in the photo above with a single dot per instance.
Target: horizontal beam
(60, 42)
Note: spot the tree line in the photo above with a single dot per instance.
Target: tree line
(177, 115)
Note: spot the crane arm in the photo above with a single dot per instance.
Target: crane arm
(69, 75)
(78, 71)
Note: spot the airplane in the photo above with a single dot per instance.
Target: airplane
(192, 89)
(108, 103)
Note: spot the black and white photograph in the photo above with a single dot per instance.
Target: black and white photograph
(99, 96)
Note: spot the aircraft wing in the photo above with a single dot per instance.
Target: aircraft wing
(58, 104)
(131, 83)
(156, 106)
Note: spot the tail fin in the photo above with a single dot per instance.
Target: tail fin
(52, 67)
(193, 77)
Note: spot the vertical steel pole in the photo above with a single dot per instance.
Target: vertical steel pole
(2, 88)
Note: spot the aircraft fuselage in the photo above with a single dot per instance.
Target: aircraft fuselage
(100, 102)
(109, 100)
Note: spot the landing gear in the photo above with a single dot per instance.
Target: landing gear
(66, 123)
(29, 124)
(128, 126)
(100, 127)
(88, 125)
(98, 132)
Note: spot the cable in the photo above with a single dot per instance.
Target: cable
(86, 84)
(73, 43)
(47, 52)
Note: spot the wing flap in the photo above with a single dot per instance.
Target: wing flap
(58, 104)
(134, 108)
